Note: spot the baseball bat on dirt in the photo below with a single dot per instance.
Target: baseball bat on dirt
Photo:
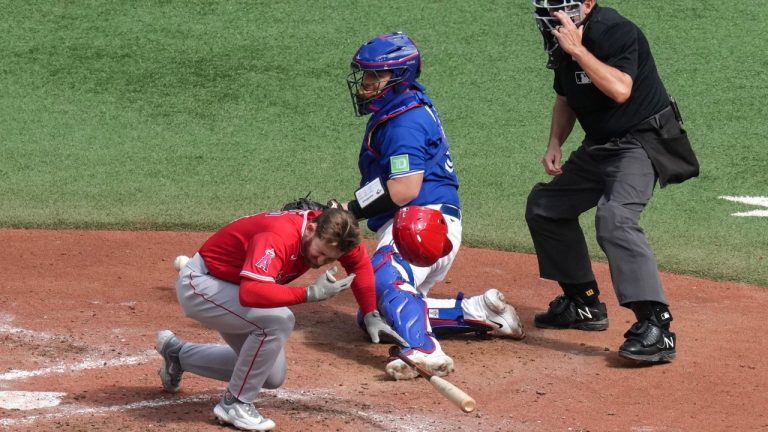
(445, 388)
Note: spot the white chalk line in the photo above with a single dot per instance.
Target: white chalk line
(29, 400)
(7, 329)
(752, 213)
(413, 423)
(88, 363)
(751, 200)
(758, 201)
(85, 364)
(79, 411)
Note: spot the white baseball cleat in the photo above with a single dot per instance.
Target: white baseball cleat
(241, 415)
(180, 262)
(501, 315)
(437, 363)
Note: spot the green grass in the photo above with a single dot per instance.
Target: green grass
(185, 115)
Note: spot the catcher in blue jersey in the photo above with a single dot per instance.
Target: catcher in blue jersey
(406, 167)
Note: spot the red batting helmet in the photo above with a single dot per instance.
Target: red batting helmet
(421, 235)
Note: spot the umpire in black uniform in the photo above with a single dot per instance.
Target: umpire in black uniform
(606, 78)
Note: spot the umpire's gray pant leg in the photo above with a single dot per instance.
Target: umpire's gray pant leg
(630, 180)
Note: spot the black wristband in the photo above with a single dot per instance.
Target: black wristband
(354, 208)
(377, 202)
(381, 205)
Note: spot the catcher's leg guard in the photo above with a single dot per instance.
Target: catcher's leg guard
(403, 309)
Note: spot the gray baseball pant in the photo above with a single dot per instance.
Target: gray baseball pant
(254, 354)
(619, 179)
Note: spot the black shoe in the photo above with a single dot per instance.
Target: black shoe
(647, 341)
(571, 313)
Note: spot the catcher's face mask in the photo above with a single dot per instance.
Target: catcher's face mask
(365, 86)
(393, 53)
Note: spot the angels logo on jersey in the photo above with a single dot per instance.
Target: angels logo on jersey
(266, 260)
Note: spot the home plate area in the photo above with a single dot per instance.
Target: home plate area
(79, 311)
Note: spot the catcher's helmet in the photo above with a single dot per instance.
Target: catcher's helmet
(421, 235)
(394, 52)
(546, 22)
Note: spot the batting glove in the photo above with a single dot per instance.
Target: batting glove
(376, 328)
(326, 286)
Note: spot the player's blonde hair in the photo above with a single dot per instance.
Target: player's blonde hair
(338, 228)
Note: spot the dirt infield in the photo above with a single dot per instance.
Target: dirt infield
(79, 310)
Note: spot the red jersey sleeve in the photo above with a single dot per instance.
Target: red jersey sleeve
(358, 262)
(265, 260)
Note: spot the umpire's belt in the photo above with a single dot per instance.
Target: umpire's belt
(450, 210)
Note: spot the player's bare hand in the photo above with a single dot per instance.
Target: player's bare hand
(326, 286)
(551, 161)
(567, 34)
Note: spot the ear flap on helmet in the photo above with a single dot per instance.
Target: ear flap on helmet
(421, 235)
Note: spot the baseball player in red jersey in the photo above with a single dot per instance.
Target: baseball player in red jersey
(237, 284)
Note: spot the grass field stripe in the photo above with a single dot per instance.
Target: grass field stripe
(85, 364)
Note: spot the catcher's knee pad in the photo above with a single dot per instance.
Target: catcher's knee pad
(404, 310)
(390, 269)
(446, 321)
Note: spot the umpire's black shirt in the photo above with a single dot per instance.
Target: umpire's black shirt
(618, 42)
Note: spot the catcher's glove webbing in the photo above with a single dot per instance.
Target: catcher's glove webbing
(304, 204)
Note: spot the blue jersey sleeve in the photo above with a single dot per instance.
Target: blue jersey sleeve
(403, 151)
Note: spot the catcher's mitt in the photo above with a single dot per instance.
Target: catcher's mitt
(304, 204)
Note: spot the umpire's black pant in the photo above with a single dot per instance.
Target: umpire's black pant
(619, 179)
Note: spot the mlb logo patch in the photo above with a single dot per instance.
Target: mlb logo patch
(582, 78)
(399, 163)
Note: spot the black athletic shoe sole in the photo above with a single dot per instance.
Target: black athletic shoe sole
(661, 357)
(586, 326)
